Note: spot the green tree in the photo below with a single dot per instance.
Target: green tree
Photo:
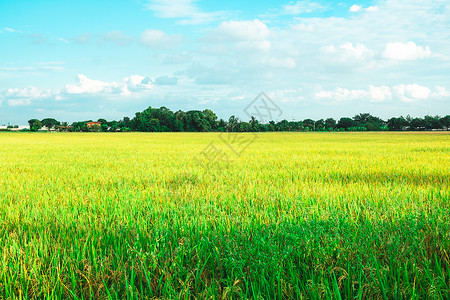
(345, 123)
(432, 122)
(309, 124)
(49, 123)
(330, 123)
(396, 124)
(233, 123)
(35, 124)
(445, 122)
(211, 118)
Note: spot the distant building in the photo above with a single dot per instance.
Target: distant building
(21, 127)
(90, 124)
(45, 128)
(15, 127)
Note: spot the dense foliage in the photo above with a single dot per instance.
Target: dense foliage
(164, 120)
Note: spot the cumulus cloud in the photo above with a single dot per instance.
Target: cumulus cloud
(441, 92)
(405, 51)
(358, 50)
(24, 96)
(88, 86)
(134, 84)
(403, 92)
(235, 31)
(412, 92)
(347, 56)
(355, 8)
(157, 39)
(85, 85)
(373, 94)
(130, 86)
(358, 8)
(379, 93)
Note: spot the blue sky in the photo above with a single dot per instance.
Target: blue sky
(77, 60)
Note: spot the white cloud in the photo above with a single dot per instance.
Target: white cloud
(358, 8)
(157, 39)
(379, 93)
(407, 51)
(135, 83)
(301, 7)
(88, 86)
(357, 51)
(412, 92)
(403, 92)
(24, 96)
(186, 10)
(128, 86)
(441, 92)
(234, 31)
(372, 9)
(372, 94)
(355, 8)
(341, 94)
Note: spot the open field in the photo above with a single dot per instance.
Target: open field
(295, 215)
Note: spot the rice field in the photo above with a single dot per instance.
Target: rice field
(185, 215)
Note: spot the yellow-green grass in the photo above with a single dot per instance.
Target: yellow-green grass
(295, 215)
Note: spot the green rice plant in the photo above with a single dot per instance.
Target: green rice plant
(294, 216)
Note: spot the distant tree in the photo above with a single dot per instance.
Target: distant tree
(431, 122)
(245, 127)
(222, 125)
(395, 124)
(417, 124)
(362, 119)
(211, 118)
(233, 123)
(35, 124)
(319, 125)
(445, 122)
(308, 124)
(345, 123)
(155, 126)
(330, 123)
(49, 123)
(283, 125)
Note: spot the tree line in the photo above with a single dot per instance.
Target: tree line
(164, 120)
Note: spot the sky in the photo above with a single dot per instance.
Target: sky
(82, 60)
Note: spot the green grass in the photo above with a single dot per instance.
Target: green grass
(296, 215)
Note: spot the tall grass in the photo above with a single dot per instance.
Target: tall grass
(297, 215)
